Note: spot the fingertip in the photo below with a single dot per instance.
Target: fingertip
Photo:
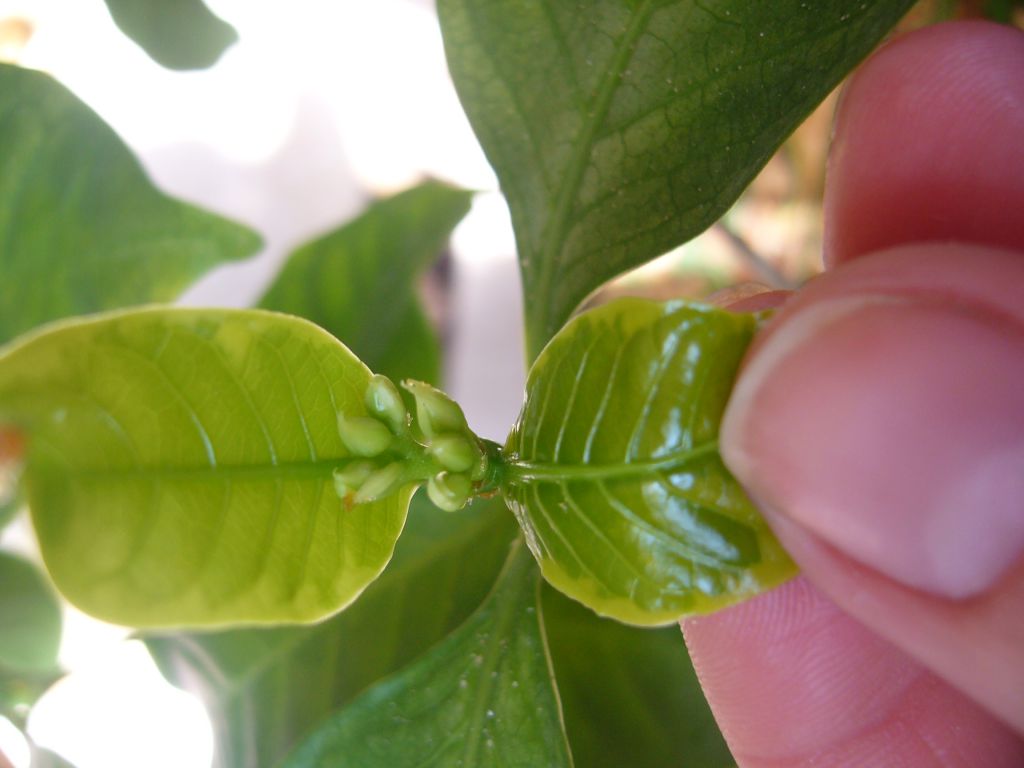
(976, 645)
(882, 410)
(927, 144)
(793, 681)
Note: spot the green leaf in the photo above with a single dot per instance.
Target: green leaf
(30, 617)
(81, 226)
(20, 690)
(178, 34)
(482, 698)
(1002, 10)
(44, 758)
(613, 467)
(621, 128)
(629, 697)
(10, 499)
(266, 688)
(359, 281)
(179, 469)
(11, 502)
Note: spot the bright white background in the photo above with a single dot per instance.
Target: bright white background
(320, 105)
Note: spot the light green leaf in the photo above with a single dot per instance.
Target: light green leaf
(613, 467)
(44, 758)
(482, 698)
(630, 698)
(359, 281)
(621, 128)
(81, 226)
(265, 688)
(30, 617)
(179, 469)
(178, 34)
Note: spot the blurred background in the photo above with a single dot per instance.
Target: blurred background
(316, 110)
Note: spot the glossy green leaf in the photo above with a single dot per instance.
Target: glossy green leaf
(30, 618)
(629, 697)
(613, 466)
(265, 688)
(621, 128)
(82, 228)
(359, 281)
(484, 697)
(178, 34)
(180, 462)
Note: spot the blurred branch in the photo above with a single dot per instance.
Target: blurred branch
(765, 271)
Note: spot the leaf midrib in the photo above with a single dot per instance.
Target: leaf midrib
(567, 192)
(270, 470)
(506, 612)
(525, 471)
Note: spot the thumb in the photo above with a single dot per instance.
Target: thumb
(880, 423)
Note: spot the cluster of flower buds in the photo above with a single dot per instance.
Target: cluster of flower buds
(393, 449)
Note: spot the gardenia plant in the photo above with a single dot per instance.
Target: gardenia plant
(228, 481)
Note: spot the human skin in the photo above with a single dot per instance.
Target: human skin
(879, 424)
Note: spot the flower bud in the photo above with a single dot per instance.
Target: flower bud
(364, 436)
(380, 483)
(384, 401)
(350, 478)
(454, 452)
(449, 491)
(435, 411)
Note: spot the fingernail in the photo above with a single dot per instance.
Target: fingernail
(894, 430)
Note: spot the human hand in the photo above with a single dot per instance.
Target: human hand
(879, 422)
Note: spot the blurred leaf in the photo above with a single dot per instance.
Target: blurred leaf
(44, 758)
(82, 227)
(630, 698)
(265, 688)
(11, 450)
(1002, 10)
(484, 697)
(613, 468)
(621, 128)
(19, 690)
(178, 34)
(31, 619)
(359, 281)
(10, 500)
(179, 469)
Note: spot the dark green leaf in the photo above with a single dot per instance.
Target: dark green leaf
(482, 698)
(1000, 10)
(614, 470)
(179, 469)
(81, 227)
(30, 617)
(630, 698)
(621, 128)
(178, 34)
(359, 281)
(265, 688)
